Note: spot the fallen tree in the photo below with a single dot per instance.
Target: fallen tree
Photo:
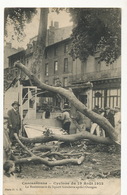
(34, 158)
(67, 138)
(100, 120)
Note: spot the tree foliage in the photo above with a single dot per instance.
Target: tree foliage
(18, 17)
(96, 30)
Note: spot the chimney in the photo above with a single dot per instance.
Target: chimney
(9, 45)
(51, 27)
(56, 25)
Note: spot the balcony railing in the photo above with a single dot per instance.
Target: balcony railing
(93, 76)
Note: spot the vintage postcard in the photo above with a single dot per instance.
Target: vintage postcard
(62, 100)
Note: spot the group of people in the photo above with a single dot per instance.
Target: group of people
(112, 115)
(14, 123)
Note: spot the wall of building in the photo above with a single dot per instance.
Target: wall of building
(90, 64)
(56, 34)
(56, 53)
(102, 76)
(9, 50)
(116, 64)
(28, 61)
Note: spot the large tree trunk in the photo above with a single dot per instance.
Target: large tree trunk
(100, 120)
(41, 39)
(39, 49)
(68, 138)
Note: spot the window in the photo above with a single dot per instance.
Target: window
(46, 70)
(55, 82)
(65, 64)
(98, 98)
(65, 81)
(66, 48)
(107, 97)
(55, 66)
(113, 98)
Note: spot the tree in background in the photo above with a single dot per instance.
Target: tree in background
(96, 30)
(38, 53)
(18, 18)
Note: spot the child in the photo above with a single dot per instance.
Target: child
(9, 168)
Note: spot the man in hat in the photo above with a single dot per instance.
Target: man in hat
(14, 121)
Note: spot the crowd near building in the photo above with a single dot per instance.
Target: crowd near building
(93, 82)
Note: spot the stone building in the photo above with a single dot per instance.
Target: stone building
(93, 82)
(9, 50)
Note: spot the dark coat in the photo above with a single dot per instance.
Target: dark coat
(14, 121)
(110, 117)
(47, 114)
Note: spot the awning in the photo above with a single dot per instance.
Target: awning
(82, 86)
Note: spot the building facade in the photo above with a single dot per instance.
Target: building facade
(93, 82)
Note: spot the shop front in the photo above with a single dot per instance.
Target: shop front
(107, 93)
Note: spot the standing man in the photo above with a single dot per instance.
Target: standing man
(14, 121)
(110, 116)
(65, 118)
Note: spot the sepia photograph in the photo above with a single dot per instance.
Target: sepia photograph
(62, 101)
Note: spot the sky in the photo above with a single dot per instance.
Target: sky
(31, 29)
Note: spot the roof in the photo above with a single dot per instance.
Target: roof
(64, 40)
(22, 51)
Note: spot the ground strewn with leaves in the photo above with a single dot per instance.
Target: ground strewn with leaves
(101, 161)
